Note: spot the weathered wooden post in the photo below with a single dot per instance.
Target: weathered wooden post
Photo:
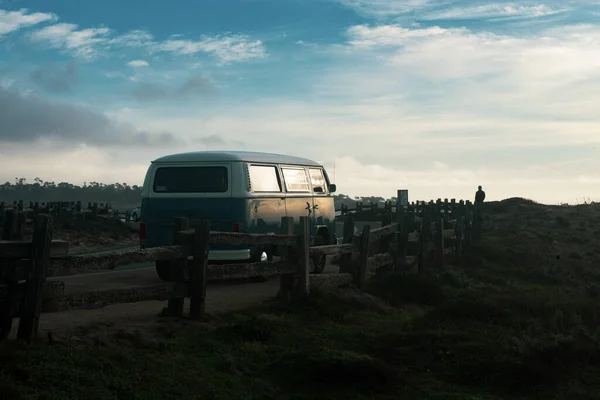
(198, 269)
(18, 228)
(286, 281)
(477, 217)
(6, 317)
(402, 233)
(439, 242)
(385, 242)
(364, 257)
(346, 259)
(425, 236)
(468, 224)
(40, 257)
(175, 304)
(303, 288)
(459, 233)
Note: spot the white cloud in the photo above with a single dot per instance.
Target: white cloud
(82, 43)
(135, 38)
(494, 10)
(227, 48)
(549, 60)
(138, 64)
(386, 8)
(88, 43)
(388, 35)
(11, 21)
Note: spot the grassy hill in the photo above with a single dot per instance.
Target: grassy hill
(518, 319)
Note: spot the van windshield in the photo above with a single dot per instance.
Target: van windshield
(191, 180)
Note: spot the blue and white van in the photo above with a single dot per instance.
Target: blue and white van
(238, 192)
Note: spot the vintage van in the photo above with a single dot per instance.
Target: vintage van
(238, 192)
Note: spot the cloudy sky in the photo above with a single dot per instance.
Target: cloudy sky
(432, 96)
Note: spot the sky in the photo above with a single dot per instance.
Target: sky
(436, 97)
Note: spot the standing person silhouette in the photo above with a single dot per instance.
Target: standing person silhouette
(479, 196)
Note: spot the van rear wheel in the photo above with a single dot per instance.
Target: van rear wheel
(163, 269)
(264, 254)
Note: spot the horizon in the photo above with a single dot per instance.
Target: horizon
(436, 98)
(352, 197)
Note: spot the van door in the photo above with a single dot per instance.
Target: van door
(267, 199)
(322, 205)
(298, 198)
(266, 204)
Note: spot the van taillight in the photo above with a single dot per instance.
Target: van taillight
(235, 227)
(143, 231)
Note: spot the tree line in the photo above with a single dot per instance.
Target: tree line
(117, 194)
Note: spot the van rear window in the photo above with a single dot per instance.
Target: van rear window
(191, 180)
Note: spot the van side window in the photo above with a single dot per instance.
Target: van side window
(264, 178)
(295, 179)
(317, 179)
(191, 180)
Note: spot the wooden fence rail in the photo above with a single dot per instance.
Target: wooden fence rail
(412, 241)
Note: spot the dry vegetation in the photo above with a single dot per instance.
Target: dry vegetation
(91, 235)
(519, 319)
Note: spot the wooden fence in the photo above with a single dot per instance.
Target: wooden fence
(57, 209)
(415, 240)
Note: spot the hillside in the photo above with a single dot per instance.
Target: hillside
(518, 319)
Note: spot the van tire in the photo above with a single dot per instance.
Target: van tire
(163, 269)
(257, 258)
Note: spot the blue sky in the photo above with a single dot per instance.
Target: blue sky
(433, 96)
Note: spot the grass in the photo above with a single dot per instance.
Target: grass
(520, 318)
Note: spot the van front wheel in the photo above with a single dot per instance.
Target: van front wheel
(163, 269)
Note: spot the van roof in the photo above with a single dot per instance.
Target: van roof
(247, 156)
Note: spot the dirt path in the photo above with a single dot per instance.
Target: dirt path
(220, 298)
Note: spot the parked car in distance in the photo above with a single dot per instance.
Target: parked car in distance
(238, 192)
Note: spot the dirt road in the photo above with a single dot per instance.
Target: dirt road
(221, 297)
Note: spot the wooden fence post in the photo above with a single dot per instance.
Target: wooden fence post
(8, 226)
(6, 317)
(18, 227)
(346, 259)
(386, 241)
(425, 236)
(459, 233)
(439, 242)
(478, 222)
(40, 257)
(303, 288)
(286, 281)
(364, 257)
(175, 304)
(401, 235)
(198, 270)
